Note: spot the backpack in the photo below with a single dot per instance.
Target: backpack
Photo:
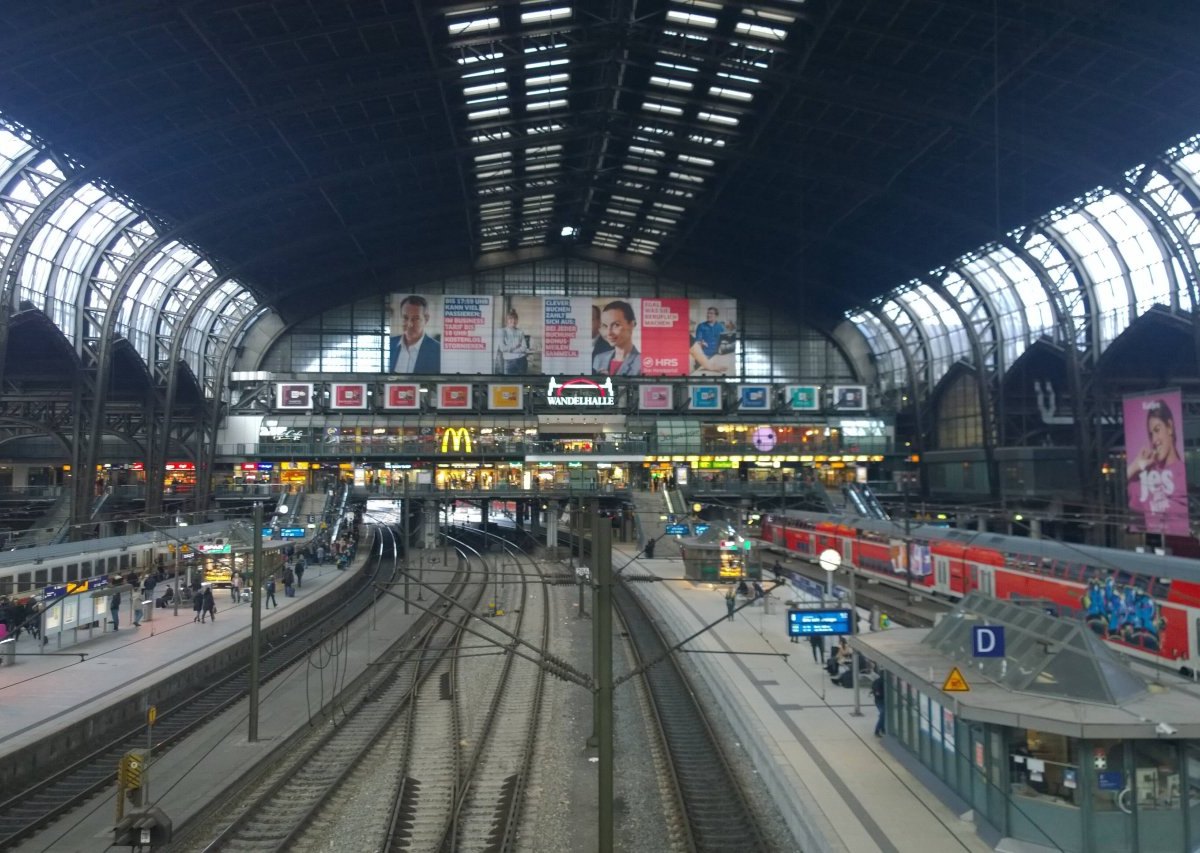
(271, 585)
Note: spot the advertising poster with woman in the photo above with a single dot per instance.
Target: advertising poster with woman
(714, 337)
(1155, 475)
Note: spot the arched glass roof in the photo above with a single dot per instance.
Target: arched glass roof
(1081, 273)
(86, 246)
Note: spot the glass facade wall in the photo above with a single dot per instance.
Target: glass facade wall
(1083, 272)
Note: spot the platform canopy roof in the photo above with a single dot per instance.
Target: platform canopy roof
(808, 153)
(1043, 654)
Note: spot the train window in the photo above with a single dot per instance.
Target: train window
(86, 569)
(112, 564)
(124, 562)
(24, 581)
(72, 571)
(6, 586)
(41, 577)
(133, 563)
(56, 574)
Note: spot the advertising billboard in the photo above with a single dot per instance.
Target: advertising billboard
(401, 396)
(507, 397)
(850, 398)
(1156, 479)
(804, 398)
(754, 398)
(454, 396)
(705, 398)
(348, 395)
(654, 398)
(532, 335)
(294, 395)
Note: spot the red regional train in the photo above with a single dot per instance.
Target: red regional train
(1148, 605)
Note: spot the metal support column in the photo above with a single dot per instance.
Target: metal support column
(602, 617)
(255, 620)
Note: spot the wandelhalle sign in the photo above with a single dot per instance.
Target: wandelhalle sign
(580, 391)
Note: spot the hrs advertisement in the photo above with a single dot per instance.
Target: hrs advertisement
(1155, 473)
(557, 335)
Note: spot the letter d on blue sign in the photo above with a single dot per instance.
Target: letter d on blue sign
(987, 641)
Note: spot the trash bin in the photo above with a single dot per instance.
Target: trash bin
(8, 652)
(148, 609)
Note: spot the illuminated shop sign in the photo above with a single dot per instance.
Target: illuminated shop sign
(580, 391)
(456, 440)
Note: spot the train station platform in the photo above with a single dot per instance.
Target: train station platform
(839, 787)
(52, 702)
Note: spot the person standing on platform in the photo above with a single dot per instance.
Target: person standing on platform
(269, 598)
(878, 690)
(730, 602)
(114, 605)
(197, 605)
(818, 648)
(235, 587)
(289, 581)
(210, 606)
(300, 567)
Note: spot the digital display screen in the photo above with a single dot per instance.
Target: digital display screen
(805, 623)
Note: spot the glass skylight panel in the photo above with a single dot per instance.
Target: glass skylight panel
(647, 152)
(655, 130)
(472, 26)
(485, 88)
(664, 220)
(486, 99)
(718, 118)
(741, 78)
(1090, 244)
(492, 156)
(474, 58)
(547, 63)
(498, 135)
(672, 83)
(730, 94)
(543, 48)
(543, 128)
(11, 147)
(547, 80)
(482, 73)
(658, 107)
(682, 176)
(662, 205)
(554, 104)
(641, 170)
(495, 112)
(696, 161)
(1141, 252)
(691, 19)
(542, 16)
(706, 140)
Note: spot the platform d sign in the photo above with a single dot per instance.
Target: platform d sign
(830, 560)
(987, 641)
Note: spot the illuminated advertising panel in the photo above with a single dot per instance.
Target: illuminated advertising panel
(804, 398)
(655, 398)
(754, 398)
(294, 395)
(705, 398)
(401, 396)
(850, 398)
(506, 397)
(348, 395)
(454, 396)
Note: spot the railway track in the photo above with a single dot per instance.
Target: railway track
(25, 814)
(437, 759)
(279, 811)
(716, 815)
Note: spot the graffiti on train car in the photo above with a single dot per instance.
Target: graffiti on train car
(1123, 612)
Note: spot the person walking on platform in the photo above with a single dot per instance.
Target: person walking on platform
(289, 581)
(730, 602)
(269, 598)
(197, 605)
(114, 605)
(300, 566)
(818, 648)
(235, 587)
(210, 606)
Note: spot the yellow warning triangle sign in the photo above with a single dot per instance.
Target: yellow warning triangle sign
(955, 683)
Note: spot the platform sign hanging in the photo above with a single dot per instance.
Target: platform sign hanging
(807, 623)
(987, 641)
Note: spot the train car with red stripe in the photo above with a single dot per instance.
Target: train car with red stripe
(1148, 605)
